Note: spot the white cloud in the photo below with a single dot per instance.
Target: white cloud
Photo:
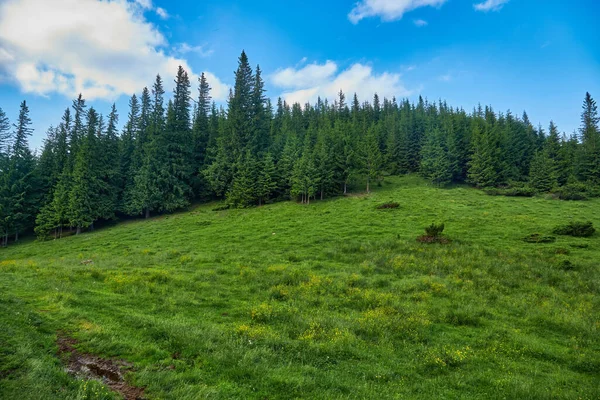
(306, 84)
(445, 78)
(388, 10)
(312, 74)
(420, 23)
(184, 48)
(490, 5)
(102, 49)
(162, 13)
(146, 4)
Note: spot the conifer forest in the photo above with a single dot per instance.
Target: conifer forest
(172, 153)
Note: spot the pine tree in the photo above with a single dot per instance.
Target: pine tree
(107, 166)
(370, 157)
(126, 151)
(20, 183)
(83, 196)
(77, 131)
(484, 163)
(435, 163)
(260, 136)
(267, 179)
(542, 172)
(244, 191)
(589, 165)
(5, 135)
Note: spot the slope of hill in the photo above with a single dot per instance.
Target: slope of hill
(335, 299)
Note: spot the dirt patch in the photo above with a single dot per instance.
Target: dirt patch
(91, 367)
(433, 239)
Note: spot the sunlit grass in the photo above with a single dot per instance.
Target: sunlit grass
(332, 300)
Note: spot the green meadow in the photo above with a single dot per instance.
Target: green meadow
(332, 300)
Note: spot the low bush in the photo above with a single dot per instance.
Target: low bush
(539, 238)
(516, 190)
(390, 205)
(433, 234)
(221, 208)
(573, 191)
(576, 229)
(434, 230)
(566, 265)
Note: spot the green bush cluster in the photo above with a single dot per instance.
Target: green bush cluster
(576, 229)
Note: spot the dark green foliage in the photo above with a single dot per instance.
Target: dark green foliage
(589, 157)
(390, 205)
(539, 238)
(435, 162)
(572, 191)
(576, 229)
(433, 234)
(434, 230)
(514, 190)
(566, 265)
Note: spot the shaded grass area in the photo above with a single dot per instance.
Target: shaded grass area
(332, 300)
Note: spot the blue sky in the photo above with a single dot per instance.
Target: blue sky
(539, 56)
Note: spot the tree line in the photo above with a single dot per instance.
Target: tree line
(171, 153)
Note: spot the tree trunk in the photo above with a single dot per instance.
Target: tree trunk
(345, 187)
(92, 227)
(78, 230)
(147, 213)
(368, 185)
(16, 237)
(321, 192)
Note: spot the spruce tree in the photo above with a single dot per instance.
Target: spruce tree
(87, 196)
(20, 185)
(542, 172)
(5, 135)
(435, 162)
(589, 164)
(370, 157)
(267, 179)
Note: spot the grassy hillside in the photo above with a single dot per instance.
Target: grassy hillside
(332, 300)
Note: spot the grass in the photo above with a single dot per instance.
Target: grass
(332, 300)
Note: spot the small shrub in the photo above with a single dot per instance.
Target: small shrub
(580, 245)
(566, 265)
(221, 207)
(576, 229)
(434, 230)
(520, 191)
(433, 234)
(389, 205)
(513, 191)
(573, 191)
(538, 238)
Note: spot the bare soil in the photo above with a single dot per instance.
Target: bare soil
(111, 372)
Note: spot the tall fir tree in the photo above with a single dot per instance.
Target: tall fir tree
(589, 160)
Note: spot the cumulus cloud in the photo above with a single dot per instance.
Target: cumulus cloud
(312, 74)
(490, 5)
(307, 83)
(420, 22)
(388, 10)
(102, 49)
